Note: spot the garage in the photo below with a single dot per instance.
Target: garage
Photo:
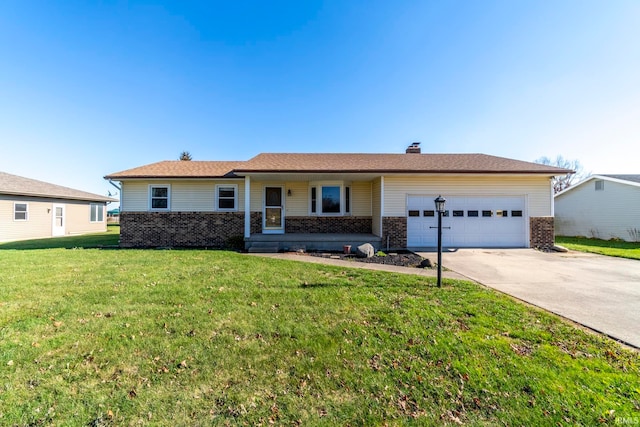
(490, 222)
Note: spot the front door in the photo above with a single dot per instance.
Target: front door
(58, 220)
(273, 213)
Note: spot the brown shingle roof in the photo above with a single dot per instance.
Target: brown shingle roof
(393, 163)
(20, 186)
(339, 163)
(179, 169)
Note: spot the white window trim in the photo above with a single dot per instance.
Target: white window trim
(318, 185)
(101, 207)
(168, 187)
(235, 197)
(26, 212)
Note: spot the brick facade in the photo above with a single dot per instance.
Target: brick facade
(328, 224)
(181, 229)
(541, 232)
(256, 222)
(395, 229)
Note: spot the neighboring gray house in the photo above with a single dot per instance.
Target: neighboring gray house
(318, 199)
(601, 206)
(31, 209)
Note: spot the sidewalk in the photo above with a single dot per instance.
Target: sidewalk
(363, 265)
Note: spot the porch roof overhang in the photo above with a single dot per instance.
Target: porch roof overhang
(290, 176)
(313, 176)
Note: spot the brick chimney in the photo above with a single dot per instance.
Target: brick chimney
(414, 148)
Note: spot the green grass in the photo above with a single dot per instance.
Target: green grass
(615, 248)
(98, 240)
(175, 337)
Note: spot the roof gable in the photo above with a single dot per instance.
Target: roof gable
(21, 186)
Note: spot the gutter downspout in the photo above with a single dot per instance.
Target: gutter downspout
(119, 193)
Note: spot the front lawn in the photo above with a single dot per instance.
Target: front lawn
(175, 337)
(97, 240)
(615, 248)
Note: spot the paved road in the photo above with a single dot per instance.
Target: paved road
(602, 293)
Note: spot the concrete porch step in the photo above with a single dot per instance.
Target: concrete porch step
(264, 247)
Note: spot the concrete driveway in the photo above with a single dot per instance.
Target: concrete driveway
(602, 293)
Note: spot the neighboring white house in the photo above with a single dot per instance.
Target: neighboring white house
(601, 206)
(286, 199)
(31, 209)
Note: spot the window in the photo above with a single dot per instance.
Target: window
(331, 199)
(472, 214)
(429, 213)
(97, 212)
(502, 213)
(486, 214)
(445, 213)
(226, 197)
(599, 185)
(516, 213)
(458, 213)
(159, 197)
(20, 211)
(414, 213)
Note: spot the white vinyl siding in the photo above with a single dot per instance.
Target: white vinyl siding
(39, 225)
(78, 218)
(613, 212)
(297, 204)
(360, 198)
(186, 196)
(535, 190)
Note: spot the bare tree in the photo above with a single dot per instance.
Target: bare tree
(563, 182)
(185, 155)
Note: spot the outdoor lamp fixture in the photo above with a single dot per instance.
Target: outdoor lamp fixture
(440, 201)
(289, 192)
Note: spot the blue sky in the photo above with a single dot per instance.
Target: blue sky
(91, 88)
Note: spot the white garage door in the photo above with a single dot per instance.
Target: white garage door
(475, 222)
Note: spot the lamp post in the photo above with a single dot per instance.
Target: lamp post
(440, 201)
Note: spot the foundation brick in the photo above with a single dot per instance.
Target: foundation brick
(181, 229)
(324, 224)
(541, 232)
(395, 229)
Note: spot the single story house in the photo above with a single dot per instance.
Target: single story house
(325, 201)
(31, 209)
(601, 206)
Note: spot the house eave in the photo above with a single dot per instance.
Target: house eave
(59, 197)
(401, 172)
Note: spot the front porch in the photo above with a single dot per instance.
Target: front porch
(309, 241)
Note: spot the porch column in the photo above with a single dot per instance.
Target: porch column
(381, 206)
(247, 207)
